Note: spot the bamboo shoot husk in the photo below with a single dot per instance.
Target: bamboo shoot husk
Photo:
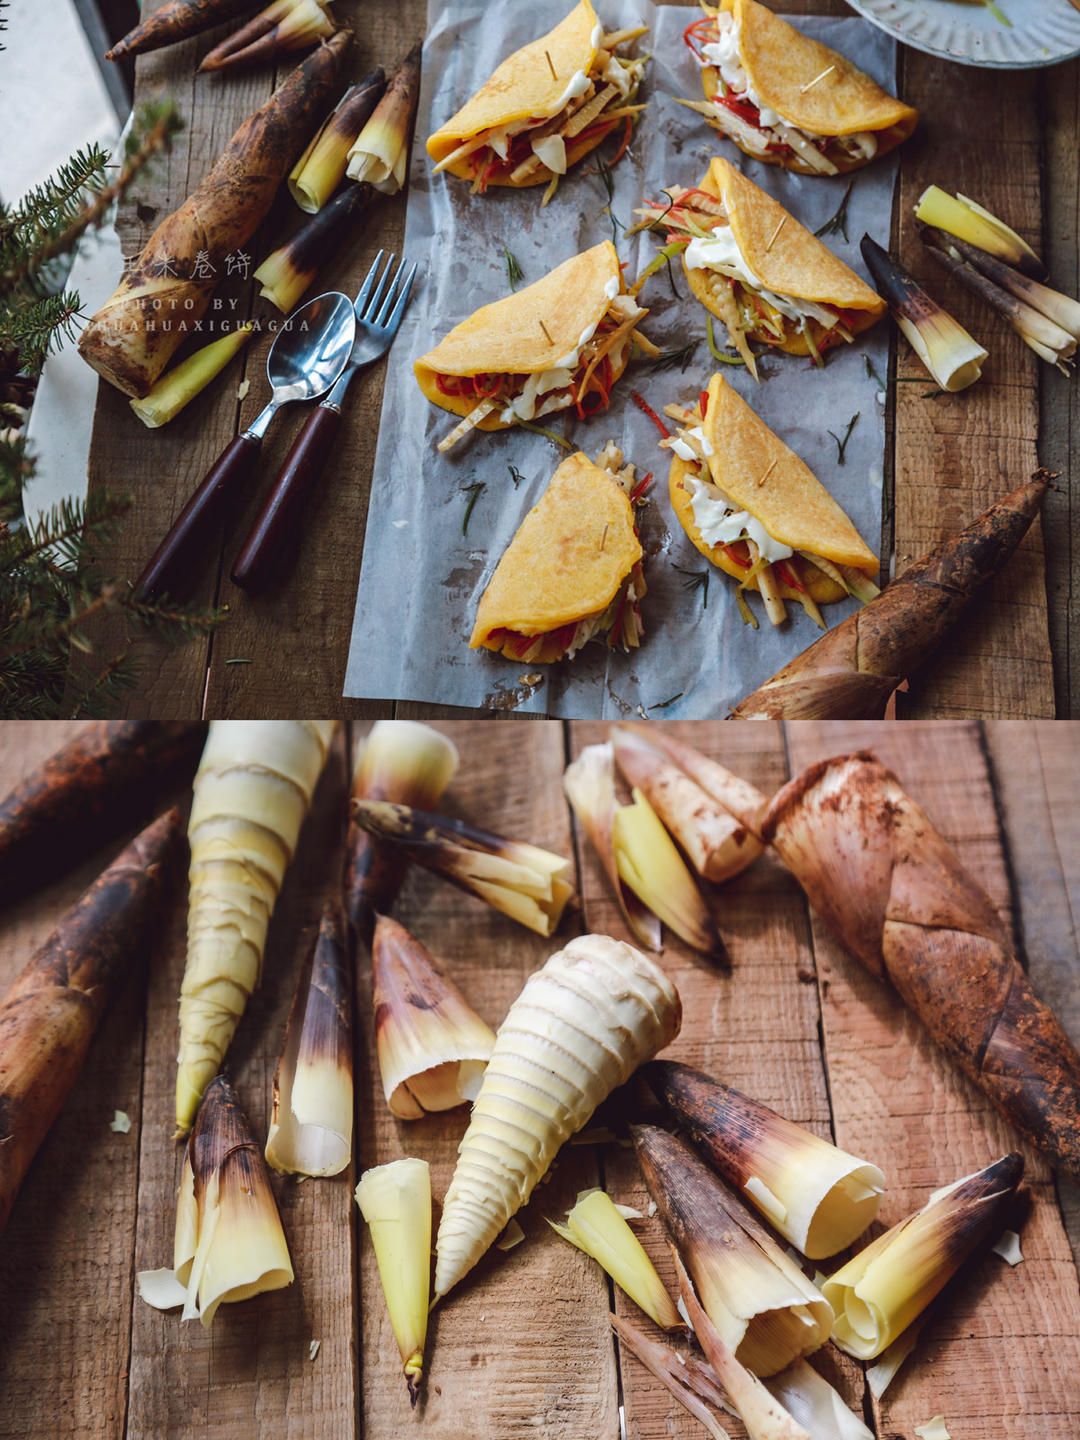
(87, 793)
(852, 670)
(252, 790)
(893, 892)
(581, 1026)
(406, 763)
(49, 1016)
(126, 341)
(312, 1118)
(228, 1244)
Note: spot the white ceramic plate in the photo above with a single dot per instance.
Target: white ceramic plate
(1041, 32)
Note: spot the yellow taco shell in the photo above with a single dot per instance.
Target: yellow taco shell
(795, 264)
(780, 60)
(567, 561)
(523, 88)
(792, 503)
(507, 336)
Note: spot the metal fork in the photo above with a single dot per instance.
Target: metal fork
(265, 554)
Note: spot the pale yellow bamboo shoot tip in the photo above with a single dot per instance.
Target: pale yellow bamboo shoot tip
(395, 1201)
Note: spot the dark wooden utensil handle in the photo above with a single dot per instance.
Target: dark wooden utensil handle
(176, 564)
(267, 551)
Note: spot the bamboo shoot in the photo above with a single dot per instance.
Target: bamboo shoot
(581, 1026)
(252, 790)
(893, 892)
(48, 1017)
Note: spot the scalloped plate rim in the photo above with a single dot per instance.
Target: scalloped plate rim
(953, 33)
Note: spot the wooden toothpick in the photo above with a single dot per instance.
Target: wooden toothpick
(779, 226)
(551, 67)
(544, 328)
(768, 472)
(811, 83)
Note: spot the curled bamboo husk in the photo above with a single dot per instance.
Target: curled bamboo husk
(893, 892)
(715, 842)
(432, 1045)
(171, 281)
(49, 1016)
(817, 1196)
(228, 1243)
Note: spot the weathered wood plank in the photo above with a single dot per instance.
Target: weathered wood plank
(251, 1374)
(522, 1347)
(67, 1273)
(957, 454)
(1059, 408)
(755, 1026)
(1034, 770)
(1005, 1348)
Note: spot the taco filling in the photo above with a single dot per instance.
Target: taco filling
(582, 378)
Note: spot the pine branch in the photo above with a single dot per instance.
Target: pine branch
(76, 198)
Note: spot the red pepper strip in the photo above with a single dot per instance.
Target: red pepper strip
(520, 644)
(740, 106)
(703, 401)
(564, 637)
(787, 574)
(492, 387)
(602, 128)
(444, 386)
(738, 553)
(625, 140)
(616, 625)
(485, 174)
(646, 409)
(692, 38)
(639, 489)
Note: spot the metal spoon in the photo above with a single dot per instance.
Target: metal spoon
(308, 354)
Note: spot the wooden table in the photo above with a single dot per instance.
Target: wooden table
(1009, 140)
(524, 1348)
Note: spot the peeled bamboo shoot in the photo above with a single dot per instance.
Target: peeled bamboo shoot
(48, 1017)
(893, 892)
(581, 1026)
(168, 287)
(252, 790)
(852, 670)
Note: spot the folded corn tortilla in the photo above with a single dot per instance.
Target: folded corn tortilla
(780, 61)
(788, 260)
(791, 502)
(507, 336)
(567, 561)
(524, 88)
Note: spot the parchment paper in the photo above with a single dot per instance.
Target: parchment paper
(421, 577)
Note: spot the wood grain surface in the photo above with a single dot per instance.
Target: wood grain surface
(1012, 142)
(524, 1347)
